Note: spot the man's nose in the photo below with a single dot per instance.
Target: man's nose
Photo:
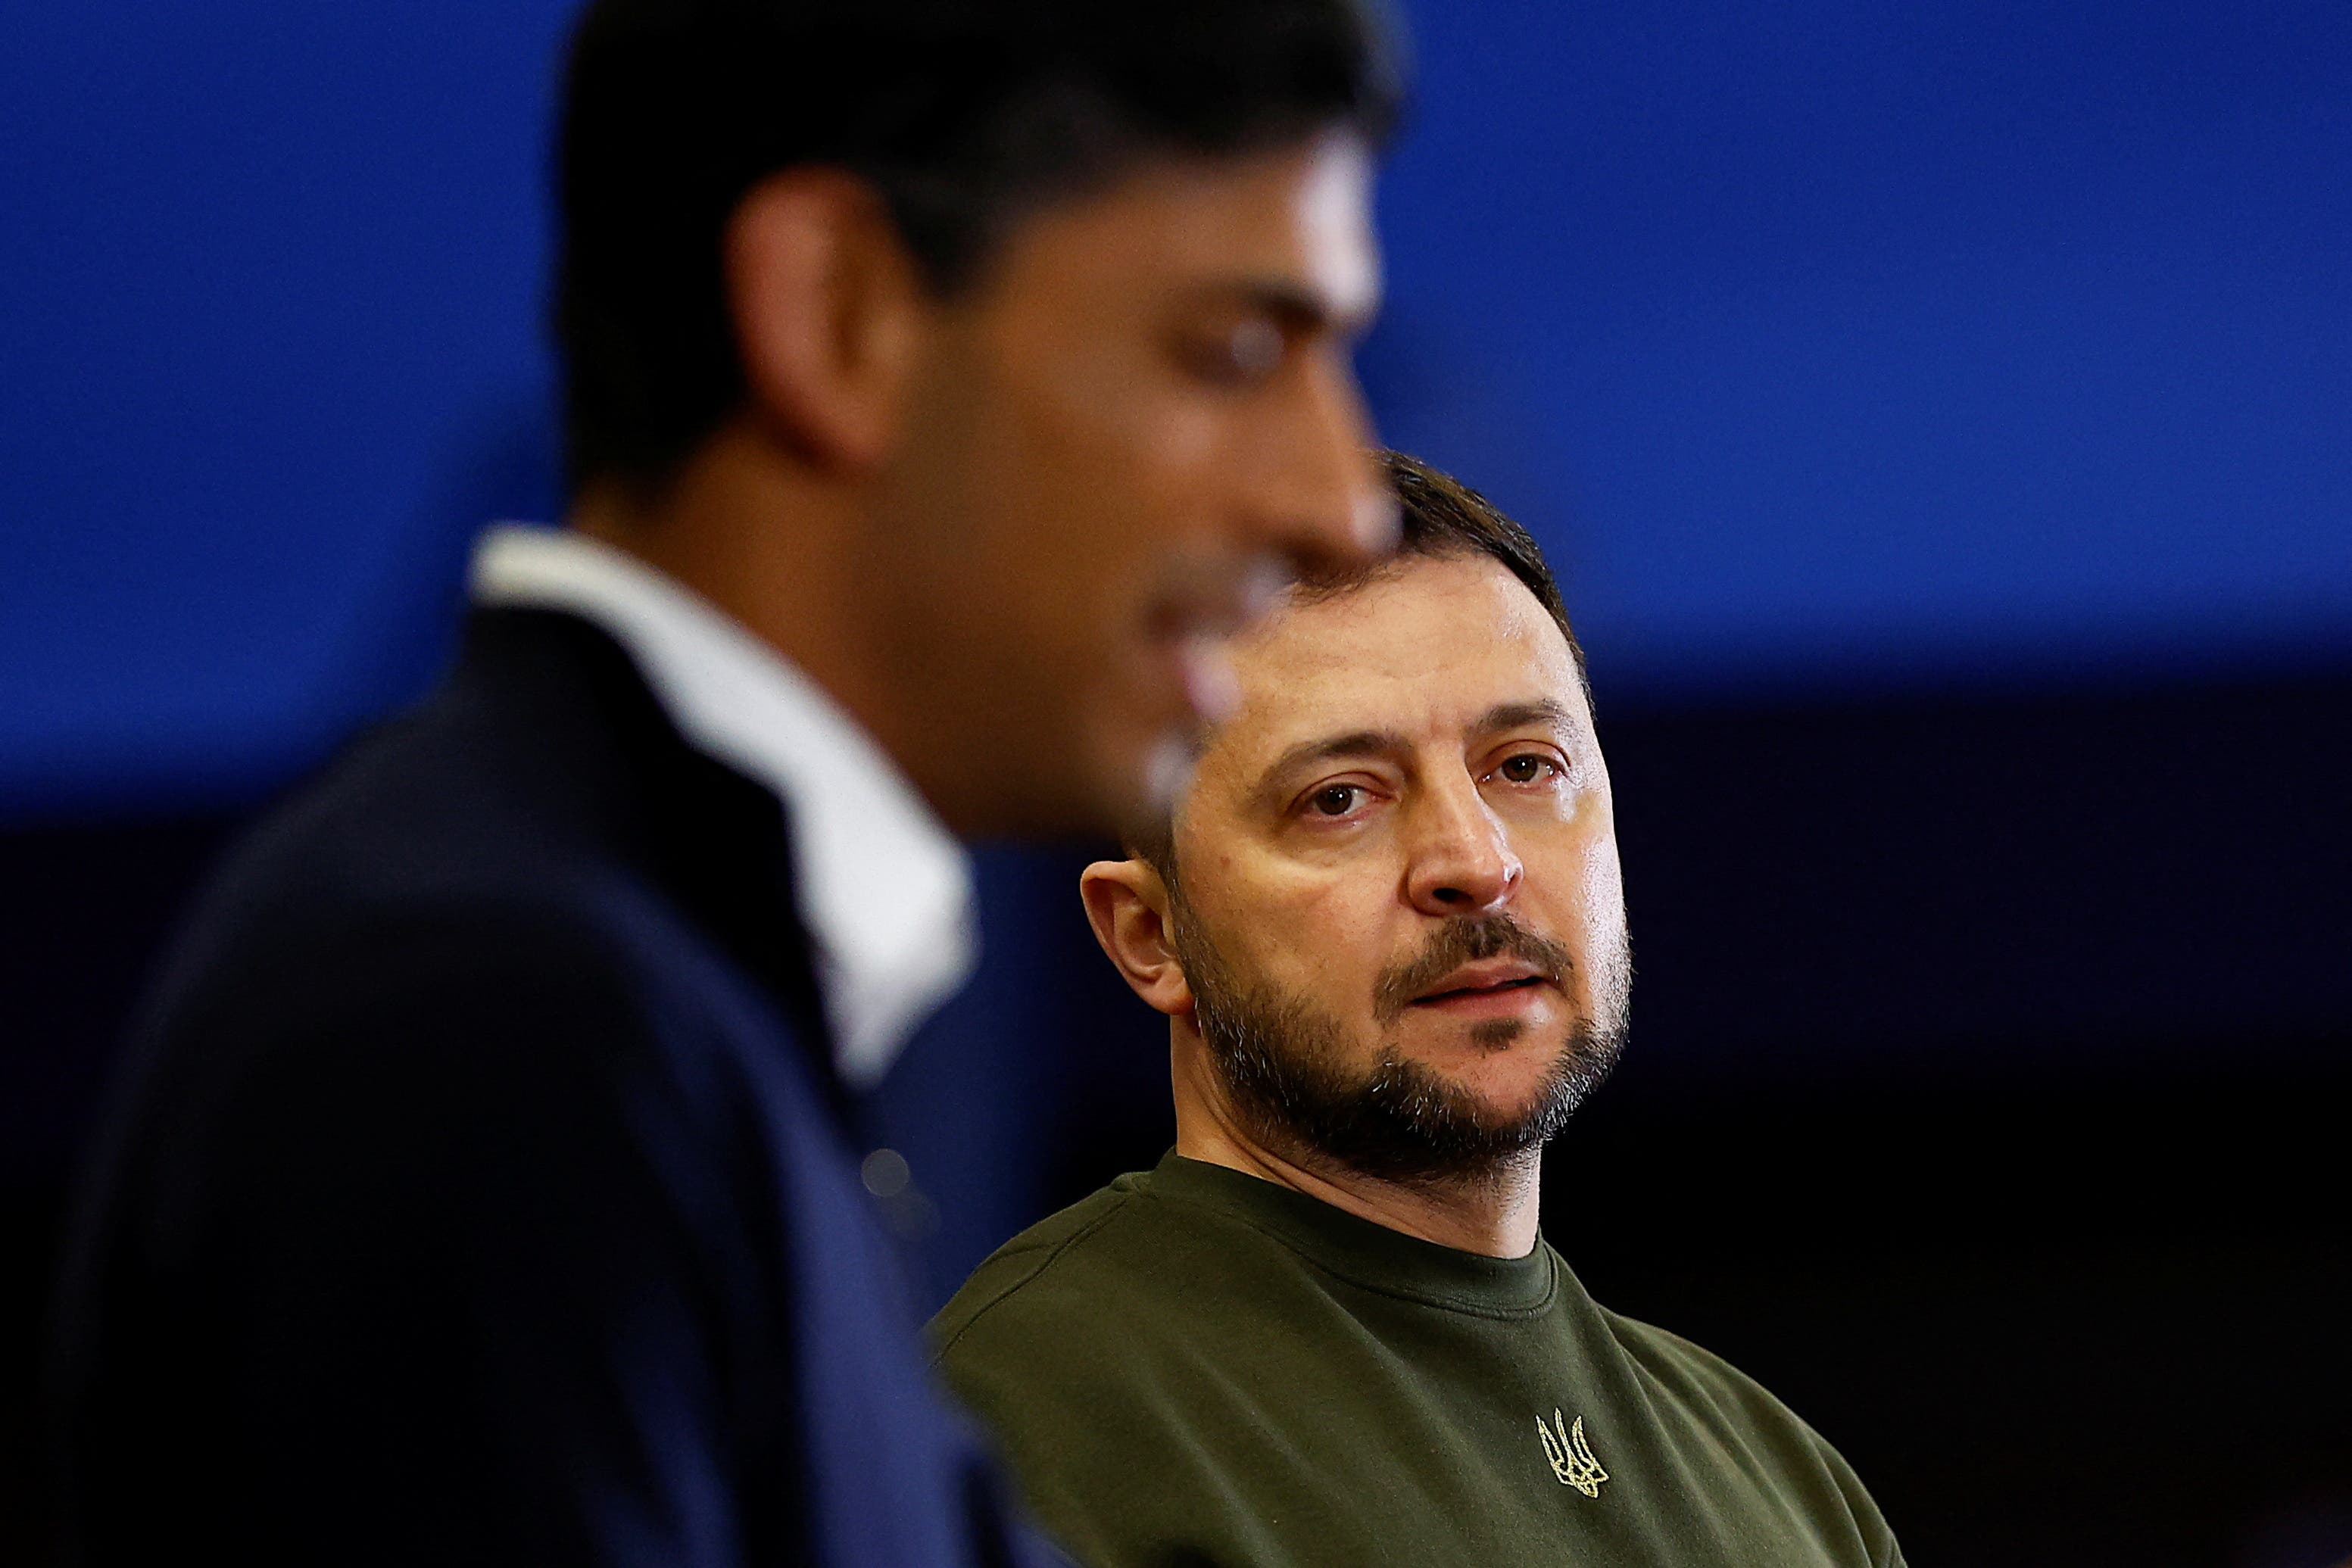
(1328, 505)
(1462, 862)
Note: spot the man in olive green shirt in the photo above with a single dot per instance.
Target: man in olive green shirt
(1386, 928)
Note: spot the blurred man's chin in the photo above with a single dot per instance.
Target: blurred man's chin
(1139, 777)
(1125, 780)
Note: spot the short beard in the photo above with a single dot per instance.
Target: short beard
(1286, 1066)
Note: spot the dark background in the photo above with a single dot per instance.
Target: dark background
(1942, 416)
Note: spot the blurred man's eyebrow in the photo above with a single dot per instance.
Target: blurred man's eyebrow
(1545, 711)
(1298, 308)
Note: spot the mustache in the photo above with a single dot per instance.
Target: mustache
(1464, 939)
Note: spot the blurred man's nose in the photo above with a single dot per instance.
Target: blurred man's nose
(1461, 858)
(1328, 506)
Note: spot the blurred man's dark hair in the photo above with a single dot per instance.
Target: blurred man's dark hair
(963, 115)
(1439, 518)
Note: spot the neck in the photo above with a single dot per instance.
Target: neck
(1492, 1212)
(778, 550)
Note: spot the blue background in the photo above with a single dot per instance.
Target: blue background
(1940, 412)
(1830, 346)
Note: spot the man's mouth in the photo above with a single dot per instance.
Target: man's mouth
(1473, 969)
(1489, 978)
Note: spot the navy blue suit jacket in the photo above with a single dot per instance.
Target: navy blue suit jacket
(482, 1192)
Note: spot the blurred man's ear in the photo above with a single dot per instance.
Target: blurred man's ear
(1127, 903)
(829, 310)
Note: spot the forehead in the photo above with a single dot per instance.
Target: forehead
(1299, 215)
(1424, 651)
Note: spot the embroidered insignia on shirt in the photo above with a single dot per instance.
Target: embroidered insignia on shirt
(1571, 1455)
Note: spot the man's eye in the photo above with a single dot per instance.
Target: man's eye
(1335, 800)
(1243, 355)
(1528, 769)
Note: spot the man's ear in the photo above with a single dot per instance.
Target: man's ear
(828, 309)
(1127, 903)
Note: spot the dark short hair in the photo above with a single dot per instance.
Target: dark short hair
(1439, 518)
(963, 115)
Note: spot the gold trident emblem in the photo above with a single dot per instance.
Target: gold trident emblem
(1571, 1455)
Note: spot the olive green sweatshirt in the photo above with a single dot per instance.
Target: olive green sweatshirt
(1196, 1367)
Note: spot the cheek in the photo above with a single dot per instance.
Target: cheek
(1171, 434)
(1580, 899)
(1109, 499)
(1102, 406)
(1330, 944)
(1603, 890)
(1604, 956)
(1051, 546)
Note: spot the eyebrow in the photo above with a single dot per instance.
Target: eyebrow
(1545, 712)
(1359, 743)
(1299, 308)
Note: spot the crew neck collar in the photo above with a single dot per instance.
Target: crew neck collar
(1361, 1252)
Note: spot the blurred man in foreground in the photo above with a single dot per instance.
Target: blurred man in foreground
(1387, 929)
(941, 381)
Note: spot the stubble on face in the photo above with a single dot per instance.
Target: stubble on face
(1287, 1065)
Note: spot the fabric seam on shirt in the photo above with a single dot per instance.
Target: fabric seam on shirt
(1031, 1278)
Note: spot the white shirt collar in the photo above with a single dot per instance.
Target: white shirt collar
(885, 890)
